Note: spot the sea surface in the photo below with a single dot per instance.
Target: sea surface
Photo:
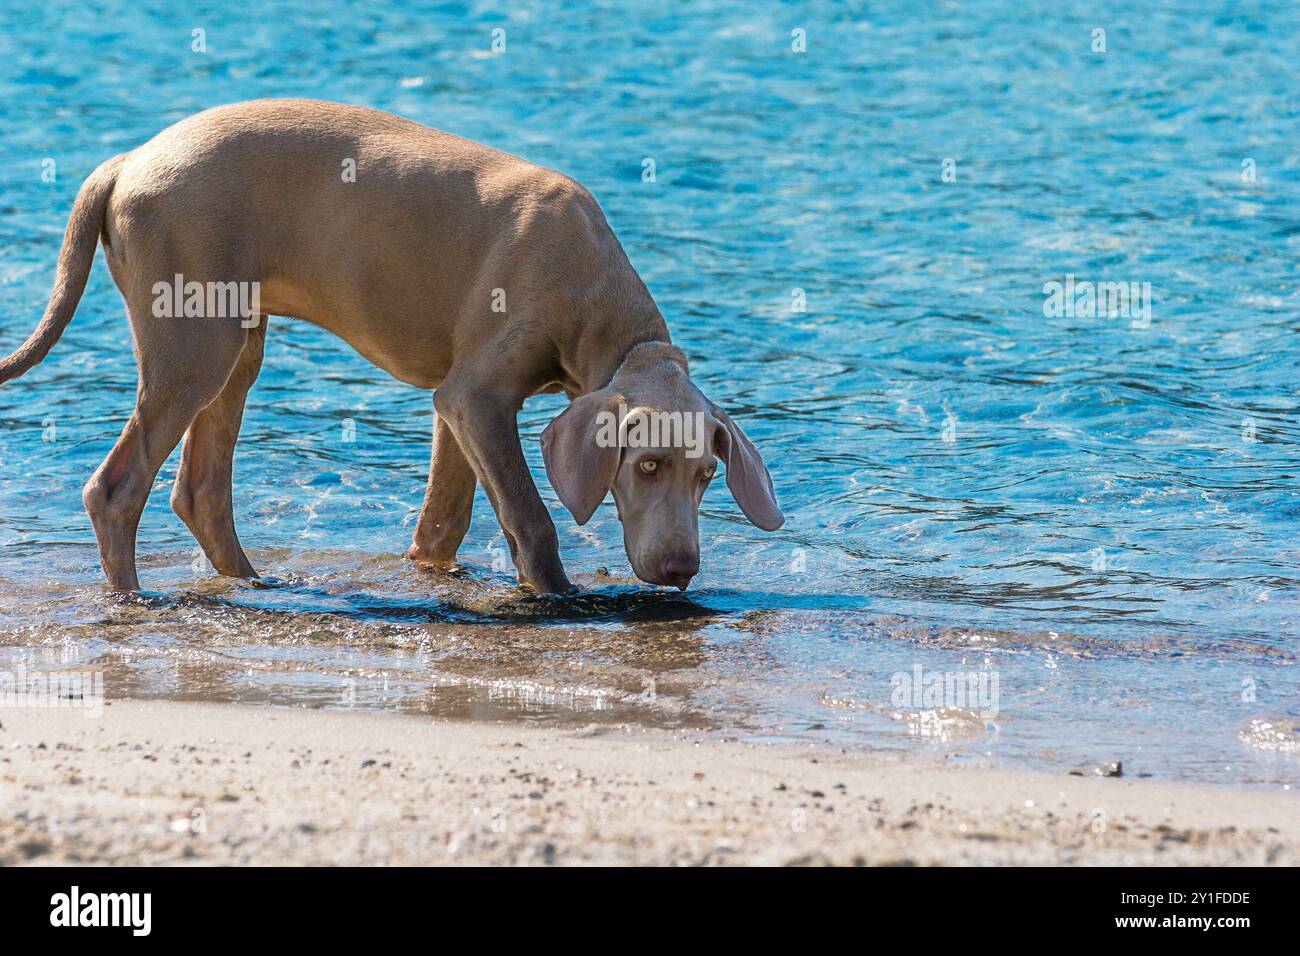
(848, 215)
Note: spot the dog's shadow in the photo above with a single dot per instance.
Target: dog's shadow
(608, 604)
(460, 603)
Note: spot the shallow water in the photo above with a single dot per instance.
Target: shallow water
(1099, 512)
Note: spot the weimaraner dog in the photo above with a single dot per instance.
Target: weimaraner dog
(450, 265)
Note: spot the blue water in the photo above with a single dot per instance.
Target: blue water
(1100, 511)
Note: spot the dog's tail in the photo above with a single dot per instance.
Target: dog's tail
(79, 242)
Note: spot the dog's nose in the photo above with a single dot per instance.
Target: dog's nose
(678, 569)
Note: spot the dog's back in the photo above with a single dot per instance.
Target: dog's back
(390, 234)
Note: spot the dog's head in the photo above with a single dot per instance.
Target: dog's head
(652, 438)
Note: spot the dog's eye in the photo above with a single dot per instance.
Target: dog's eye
(648, 466)
(709, 472)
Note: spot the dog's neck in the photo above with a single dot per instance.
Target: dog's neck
(650, 353)
(619, 362)
(621, 329)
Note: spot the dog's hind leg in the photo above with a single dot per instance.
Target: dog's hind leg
(184, 364)
(448, 503)
(202, 496)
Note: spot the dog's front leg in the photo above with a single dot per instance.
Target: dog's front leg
(448, 502)
(484, 423)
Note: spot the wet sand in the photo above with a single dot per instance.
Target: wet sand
(183, 783)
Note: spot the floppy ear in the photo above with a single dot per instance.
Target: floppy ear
(747, 476)
(580, 467)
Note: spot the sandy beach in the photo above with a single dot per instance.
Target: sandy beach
(184, 783)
